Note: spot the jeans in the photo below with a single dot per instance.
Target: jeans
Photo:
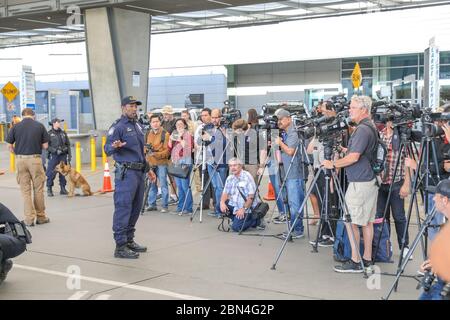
(218, 182)
(275, 181)
(161, 173)
(397, 207)
(238, 224)
(296, 195)
(435, 291)
(438, 219)
(184, 194)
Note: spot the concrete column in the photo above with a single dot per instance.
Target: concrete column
(118, 53)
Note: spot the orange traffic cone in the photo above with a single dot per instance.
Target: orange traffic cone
(106, 180)
(270, 193)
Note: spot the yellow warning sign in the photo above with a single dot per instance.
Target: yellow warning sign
(356, 76)
(10, 91)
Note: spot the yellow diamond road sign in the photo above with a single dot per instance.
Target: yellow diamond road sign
(356, 76)
(10, 91)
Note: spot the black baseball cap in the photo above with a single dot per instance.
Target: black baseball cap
(129, 100)
(54, 120)
(443, 188)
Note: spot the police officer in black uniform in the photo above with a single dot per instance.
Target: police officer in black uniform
(125, 142)
(58, 150)
(13, 240)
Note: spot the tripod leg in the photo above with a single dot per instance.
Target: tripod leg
(147, 190)
(193, 172)
(288, 236)
(323, 213)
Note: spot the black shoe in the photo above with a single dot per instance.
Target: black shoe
(50, 192)
(136, 247)
(43, 221)
(5, 267)
(349, 267)
(63, 191)
(151, 208)
(125, 253)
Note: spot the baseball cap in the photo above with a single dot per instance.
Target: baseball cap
(129, 100)
(443, 188)
(282, 113)
(54, 120)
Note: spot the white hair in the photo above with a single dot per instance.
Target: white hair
(363, 101)
(236, 160)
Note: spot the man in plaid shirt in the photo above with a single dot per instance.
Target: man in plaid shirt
(400, 188)
(233, 201)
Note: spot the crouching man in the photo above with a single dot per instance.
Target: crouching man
(240, 185)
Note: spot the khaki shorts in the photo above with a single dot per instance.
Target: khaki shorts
(361, 198)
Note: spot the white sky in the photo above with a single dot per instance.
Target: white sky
(378, 33)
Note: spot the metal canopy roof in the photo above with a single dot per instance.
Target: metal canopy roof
(27, 22)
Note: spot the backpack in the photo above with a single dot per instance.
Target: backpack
(384, 253)
(342, 251)
(379, 153)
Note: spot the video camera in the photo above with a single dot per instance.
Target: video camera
(339, 102)
(399, 113)
(228, 118)
(323, 127)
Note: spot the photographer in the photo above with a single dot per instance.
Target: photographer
(58, 150)
(11, 244)
(288, 144)
(400, 189)
(232, 201)
(180, 144)
(362, 192)
(217, 155)
(158, 157)
(438, 262)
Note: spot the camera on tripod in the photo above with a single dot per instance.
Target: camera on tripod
(403, 113)
(324, 127)
(270, 122)
(144, 121)
(339, 102)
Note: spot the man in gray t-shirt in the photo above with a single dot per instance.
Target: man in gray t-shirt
(362, 191)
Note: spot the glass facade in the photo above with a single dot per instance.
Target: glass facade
(384, 70)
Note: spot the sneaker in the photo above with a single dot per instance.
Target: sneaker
(173, 201)
(405, 252)
(280, 219)
(294, 235)
(180, 213)
(324, 243)
(151, 208)
(164, 210)
(349, 267)
(187, 213)
(261, 226)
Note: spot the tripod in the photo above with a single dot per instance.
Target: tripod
(200, 204)
(415, 243)
(427, 145)
(406, 148)
(343, 204)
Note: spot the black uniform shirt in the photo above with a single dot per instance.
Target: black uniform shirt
(28, 136)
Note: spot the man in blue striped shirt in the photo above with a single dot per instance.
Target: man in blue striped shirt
(240, 181)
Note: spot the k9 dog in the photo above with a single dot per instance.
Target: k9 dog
(75, 179)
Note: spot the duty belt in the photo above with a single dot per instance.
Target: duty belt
(134, 165)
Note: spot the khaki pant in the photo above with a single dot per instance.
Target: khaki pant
(31, 176)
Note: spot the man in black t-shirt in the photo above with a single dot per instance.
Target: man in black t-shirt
(26, 140)
(362, 191)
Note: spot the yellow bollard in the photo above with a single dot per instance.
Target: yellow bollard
(78, 156)
(93, 158)
(12, 162)
(104, 158)
(65, 126)
(2, 138)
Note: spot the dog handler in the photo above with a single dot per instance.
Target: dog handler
(27, 139)
(58, 150)
(125, 142)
